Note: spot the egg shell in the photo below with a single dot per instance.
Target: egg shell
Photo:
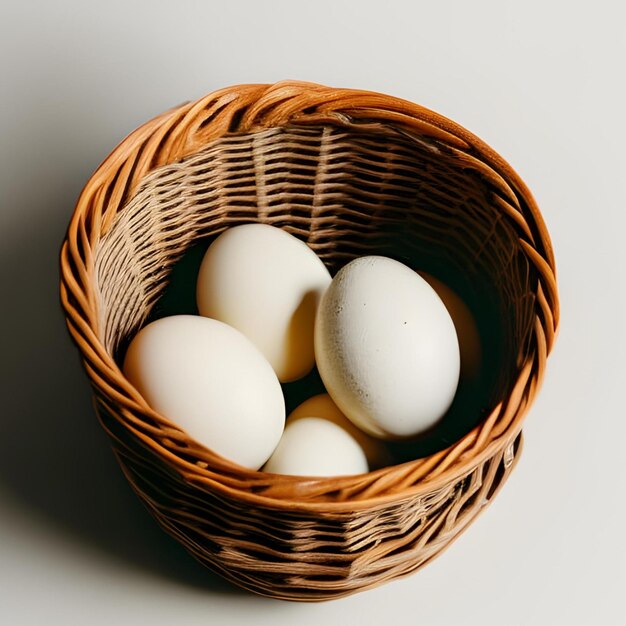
(313, 446)
(386, 348)
(322, 406)
(465, 325)
(267, 284)
(212, 382)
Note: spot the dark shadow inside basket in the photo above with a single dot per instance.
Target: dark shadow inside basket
(347, 192)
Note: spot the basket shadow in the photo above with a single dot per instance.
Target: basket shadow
(55, 462)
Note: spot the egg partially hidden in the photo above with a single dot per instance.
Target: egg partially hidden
(386, 348)
(212, 382)
(267, 284)
(466, 328)
(322, 406)
(320, 441)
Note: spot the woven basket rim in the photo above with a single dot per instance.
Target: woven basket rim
(183, 131)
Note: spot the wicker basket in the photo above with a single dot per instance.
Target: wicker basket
(351, 173)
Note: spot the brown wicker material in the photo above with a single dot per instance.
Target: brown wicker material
(351, 173)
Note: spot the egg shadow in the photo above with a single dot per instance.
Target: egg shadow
(55, 461)
(57, 471)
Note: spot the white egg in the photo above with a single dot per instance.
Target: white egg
(386, 348)
(212, 382)
(322, 406)
(313, 446)
(267, 284)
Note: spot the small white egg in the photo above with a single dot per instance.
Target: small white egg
(386, 348)
(322, 406)
(313, 446)
(266, 283)
(212, 382)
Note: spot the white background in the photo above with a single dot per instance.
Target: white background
(541, 81)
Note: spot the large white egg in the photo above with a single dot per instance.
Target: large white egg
(386, 348)
(267, 284)
(212, 382)
(322, 406)
(314, 446)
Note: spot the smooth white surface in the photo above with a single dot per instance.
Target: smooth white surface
(540, 81)
(386, 348)
(211, 381)
(313, 446)
(266, 283)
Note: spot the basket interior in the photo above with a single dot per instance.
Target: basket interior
(347, 192)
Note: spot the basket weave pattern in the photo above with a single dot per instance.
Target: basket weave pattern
(350, 173)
